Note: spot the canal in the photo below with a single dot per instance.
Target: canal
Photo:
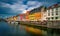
(21, 30)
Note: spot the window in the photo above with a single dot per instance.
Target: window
(52, 18)
(52, 13)
(56, 9)
(48, 18)
(56, 17)
(52, 10)
(59, 9)
(56, 13)
(48, 12)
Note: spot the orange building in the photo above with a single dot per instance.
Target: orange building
(38, 15)
(35, 16)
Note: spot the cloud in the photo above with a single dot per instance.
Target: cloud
(47, 4)
(4, 4)
(33, 4)
(19, 7)
(22, 7)
(16, 7)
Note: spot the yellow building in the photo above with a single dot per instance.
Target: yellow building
(31, 17)
(35, 16)
(38, 14)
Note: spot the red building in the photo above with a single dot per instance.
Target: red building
(24, 16)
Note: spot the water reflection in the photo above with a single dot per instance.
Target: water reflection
(12, 30)
(21, 30)
(18, 30)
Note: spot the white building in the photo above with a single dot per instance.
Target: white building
(44, 13)
(53, 12)
(44, 16)
(53, 15)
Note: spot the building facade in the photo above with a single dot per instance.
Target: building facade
(23, 17)
(44, 13)
(53, 12)
(38, 14)
(53, 15)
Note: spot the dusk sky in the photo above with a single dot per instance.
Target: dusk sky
(10, 8)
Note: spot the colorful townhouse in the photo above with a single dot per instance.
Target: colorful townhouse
(38, 14)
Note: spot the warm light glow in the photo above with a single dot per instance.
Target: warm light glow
(24, 11)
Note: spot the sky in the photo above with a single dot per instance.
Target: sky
(10, 8)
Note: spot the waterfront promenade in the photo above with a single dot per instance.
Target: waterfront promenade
(53, 25)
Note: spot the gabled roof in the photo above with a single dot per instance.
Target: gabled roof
(54, 6)
(37, 9)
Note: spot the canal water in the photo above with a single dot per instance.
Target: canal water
(21, 30)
